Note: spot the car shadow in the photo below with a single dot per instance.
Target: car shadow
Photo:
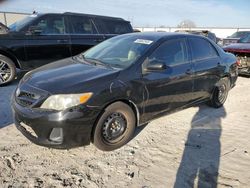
(245, 75)
(139, 129)
(6, 117)
(201, 157)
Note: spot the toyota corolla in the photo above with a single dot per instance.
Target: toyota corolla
(102, 95)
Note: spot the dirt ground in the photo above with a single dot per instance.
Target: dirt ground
(199, 146)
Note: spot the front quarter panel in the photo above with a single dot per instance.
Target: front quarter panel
(126, 87)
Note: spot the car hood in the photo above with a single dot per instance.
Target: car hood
(69, 76)
(238, 47)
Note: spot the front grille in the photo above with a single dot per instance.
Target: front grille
(29, 96)
(24, 102)
(27, 99)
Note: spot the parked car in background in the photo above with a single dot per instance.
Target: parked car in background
(242, 52)
(136, 30)
(234, 38)
(204, 33)
(103, 94)
(42, 38)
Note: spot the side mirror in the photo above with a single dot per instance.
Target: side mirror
(35, 30)
(155, 65)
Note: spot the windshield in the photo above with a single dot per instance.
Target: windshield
(119, 52)
(245, 39)
(238, 34)
(17, 26)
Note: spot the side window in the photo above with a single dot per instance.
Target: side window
(82, 25)
(51, 24)
(202, 49)
(172, 52)
(115, 27)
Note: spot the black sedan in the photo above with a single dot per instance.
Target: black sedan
(103, 94)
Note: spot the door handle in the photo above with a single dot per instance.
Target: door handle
(98, 40)
(62, 41)
(189, 71)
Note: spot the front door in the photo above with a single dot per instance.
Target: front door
(48, 42)
(171, 88)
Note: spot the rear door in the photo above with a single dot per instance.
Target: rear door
(84, 34)
(50, 44)
(171, 88)
(207, 67)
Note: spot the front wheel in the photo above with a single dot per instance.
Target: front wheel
(220, 93)
(115, 127)
(7, 70)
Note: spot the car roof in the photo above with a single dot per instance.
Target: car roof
(200, 31)
(89, 15)
(161, 35)
(96, 16)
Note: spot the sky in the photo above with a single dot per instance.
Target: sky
(147, 13)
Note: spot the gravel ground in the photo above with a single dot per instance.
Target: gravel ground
(199, 146)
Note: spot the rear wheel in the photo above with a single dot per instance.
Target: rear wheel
(115, 127)
(7, 70)
(220, 93)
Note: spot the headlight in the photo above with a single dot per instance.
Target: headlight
(61, 102)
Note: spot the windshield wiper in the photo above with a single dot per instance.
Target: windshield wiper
(96, 62)
(82, 59)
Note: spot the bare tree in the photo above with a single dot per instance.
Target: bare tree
(186, 24)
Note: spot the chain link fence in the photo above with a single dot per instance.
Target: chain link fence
(8, 18)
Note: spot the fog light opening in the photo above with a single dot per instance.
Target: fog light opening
(56, 135)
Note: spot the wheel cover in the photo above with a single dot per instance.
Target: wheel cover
(222, 93)
(114, 128)
(5, 72)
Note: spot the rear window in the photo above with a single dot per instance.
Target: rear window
(114, 27)
(239, 34)
(245, 39)
(202, 49)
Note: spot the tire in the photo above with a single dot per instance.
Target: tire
(7, 70)
(220, 93)
(115, 127)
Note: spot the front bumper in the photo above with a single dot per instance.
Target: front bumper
(62, 130)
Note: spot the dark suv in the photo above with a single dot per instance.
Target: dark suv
(42, 38)
(126, 81)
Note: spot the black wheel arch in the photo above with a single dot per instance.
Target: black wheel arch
(126, 101)
(227, 75)
(11, 56)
